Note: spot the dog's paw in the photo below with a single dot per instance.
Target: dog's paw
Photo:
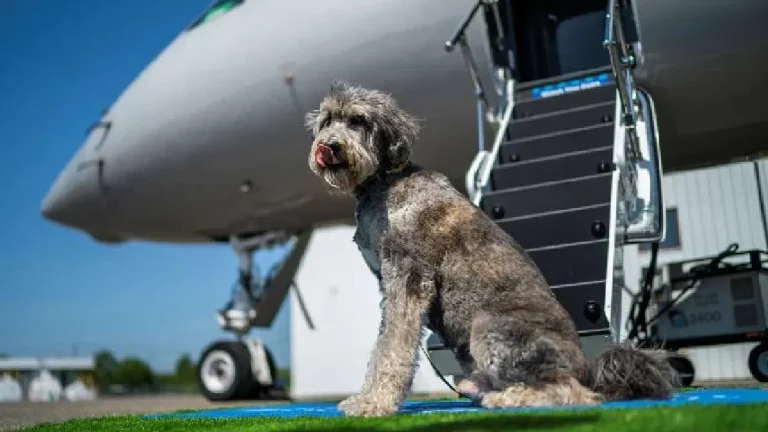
(349, 403)
(570, 392)
(516, 396)
(493, 400)
(473, 389)
(367, 406)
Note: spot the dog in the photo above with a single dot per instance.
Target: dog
(441, 263)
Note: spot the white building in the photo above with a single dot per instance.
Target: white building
(46, 379)
(707, 210)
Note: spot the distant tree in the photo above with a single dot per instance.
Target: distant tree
(4, 355)
(106, 368)
(185, 369)
(134, 373)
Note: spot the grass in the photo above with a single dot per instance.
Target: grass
(726, 418)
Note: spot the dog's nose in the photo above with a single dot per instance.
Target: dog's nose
(334, 145)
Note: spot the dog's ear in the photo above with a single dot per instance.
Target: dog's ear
(403, 131)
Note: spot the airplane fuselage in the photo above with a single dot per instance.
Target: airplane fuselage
(209, 139)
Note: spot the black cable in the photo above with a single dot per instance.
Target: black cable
(637, 311)
(700, 271)
(440, 375)
(761, 201)
(638, 320)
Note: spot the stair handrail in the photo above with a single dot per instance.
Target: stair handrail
(459, 38)
(479, 173)
(639, 159)
(622, 63)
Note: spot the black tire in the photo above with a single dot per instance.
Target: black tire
(758, 362)
(258, 391)
(240, 358)
(684, 368)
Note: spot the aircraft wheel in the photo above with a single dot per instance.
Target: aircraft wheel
(684, 368)
(224, 371)
(758, 362)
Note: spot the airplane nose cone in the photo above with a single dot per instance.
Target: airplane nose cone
(75, 198)
(66, 199)
(57, 203)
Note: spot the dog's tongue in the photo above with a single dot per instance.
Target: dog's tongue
(324, 156)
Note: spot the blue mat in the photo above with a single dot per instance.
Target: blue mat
(328, 409)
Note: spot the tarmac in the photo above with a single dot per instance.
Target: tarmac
(14, 415)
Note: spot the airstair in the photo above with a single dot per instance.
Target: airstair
(573, 173)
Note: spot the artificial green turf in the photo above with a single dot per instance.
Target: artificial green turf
(724, 418)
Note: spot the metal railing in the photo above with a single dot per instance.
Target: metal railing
(639, 159)
(478, 174)
(460, 38)
(622, 63)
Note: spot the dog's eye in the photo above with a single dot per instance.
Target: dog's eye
(326, 121)
(357, 120)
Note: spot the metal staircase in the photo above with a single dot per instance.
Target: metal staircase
(573, 175)
(551, 189)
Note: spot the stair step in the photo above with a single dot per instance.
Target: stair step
(533, 107)
(548, 197)
(599, 75)
(570, 141)
(561, 167)
(575, 299)
(577, 226)
(573, 118)
(572, 264)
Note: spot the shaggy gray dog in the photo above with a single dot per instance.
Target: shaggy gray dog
(441, 262)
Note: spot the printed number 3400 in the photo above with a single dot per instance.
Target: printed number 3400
(704, 317)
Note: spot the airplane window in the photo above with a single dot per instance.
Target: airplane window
(216, 10)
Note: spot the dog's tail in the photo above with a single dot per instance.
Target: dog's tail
(624, 372)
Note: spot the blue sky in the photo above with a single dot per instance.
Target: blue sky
(63, 62)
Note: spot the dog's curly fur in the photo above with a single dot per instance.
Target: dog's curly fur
(441, 262)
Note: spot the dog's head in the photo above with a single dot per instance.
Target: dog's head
(357, 133)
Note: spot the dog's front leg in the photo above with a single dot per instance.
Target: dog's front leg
(394, 360)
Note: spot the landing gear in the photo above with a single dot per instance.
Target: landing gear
(244, 368)
(758, 362)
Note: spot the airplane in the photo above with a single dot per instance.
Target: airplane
(207, 144)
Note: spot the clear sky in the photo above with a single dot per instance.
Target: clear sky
(61, 64)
